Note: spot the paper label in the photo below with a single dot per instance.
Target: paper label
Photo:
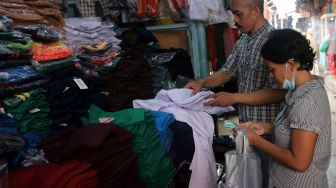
(34, 110)
(106, 120)
(80, 83)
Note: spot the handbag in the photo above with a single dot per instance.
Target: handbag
(243, 167)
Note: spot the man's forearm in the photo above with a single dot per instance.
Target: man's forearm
(216, 79)
(261, 97)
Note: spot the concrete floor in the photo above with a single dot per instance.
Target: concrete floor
(330, 82)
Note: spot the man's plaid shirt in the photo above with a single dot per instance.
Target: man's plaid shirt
(246, 64)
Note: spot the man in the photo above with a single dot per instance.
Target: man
(257, 100)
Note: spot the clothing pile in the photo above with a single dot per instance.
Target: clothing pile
(99, 56)
(131, 79)
(49, 57)
(155, 167)
(70, 93)
(29, 12)
(70, 174)
(16, 72)
(31, 112)
(106, 146)
(11, 141)
(168, 67)
(192, 110)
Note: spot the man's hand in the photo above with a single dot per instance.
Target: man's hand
(222, 99)
(196, 86)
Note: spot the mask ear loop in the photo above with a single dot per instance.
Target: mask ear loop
(292, 59)
(293, 78)
(286, 71)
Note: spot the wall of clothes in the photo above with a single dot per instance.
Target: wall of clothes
(89, 103)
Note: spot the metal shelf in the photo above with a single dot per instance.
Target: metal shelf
(197, 44)
(179, 26)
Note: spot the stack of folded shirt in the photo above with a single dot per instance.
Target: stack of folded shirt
(106, 146)
(49, 57)
(70, 94)
(100, 56)
(19, 79)
(31, 111)
(86, 30)
(27, 12)
(16, 72)
(71, 174)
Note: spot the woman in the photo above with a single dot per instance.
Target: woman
(301, 150)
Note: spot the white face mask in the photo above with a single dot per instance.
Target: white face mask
(289, 84)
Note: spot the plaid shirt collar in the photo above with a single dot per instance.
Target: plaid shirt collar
(259, 32)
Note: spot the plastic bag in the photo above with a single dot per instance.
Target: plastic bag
(5, 23)
(243, 167)
(40, 33)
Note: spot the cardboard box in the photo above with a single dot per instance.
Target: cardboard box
(172, 39)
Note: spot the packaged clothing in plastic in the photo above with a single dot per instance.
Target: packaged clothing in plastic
(243, 167)
(210, 11)
(5, 23)
(40, 33)
(52, 51)
(17, 74)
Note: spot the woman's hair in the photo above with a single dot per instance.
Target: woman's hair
(285, 44)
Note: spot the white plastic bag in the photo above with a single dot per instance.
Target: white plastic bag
(243, 167)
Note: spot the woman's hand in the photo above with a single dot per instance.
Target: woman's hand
(259, 127)
(254, 130)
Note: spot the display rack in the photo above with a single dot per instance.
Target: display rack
(197, 44)
(196, 39)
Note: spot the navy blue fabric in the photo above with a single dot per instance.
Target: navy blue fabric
(17, 74)
(32, 142)
(8, 125)
(183, 139)
(68, 103)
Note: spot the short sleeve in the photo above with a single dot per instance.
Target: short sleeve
(305, 116)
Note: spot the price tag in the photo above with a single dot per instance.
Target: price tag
(34, 110)
(80, 83)
(106, 120)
